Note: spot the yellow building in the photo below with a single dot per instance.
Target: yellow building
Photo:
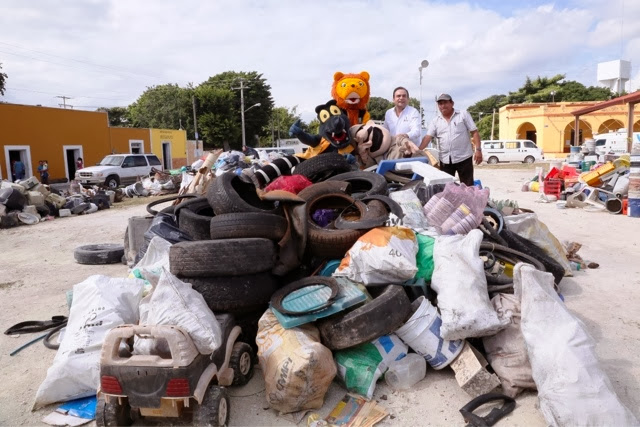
(551, 125)
(32, 133)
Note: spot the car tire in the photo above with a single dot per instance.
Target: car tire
(492, 160)
(194, 218)
(230, 257)
(229, 194)
(527, 247)
(363, 183)
(322, 166)
(386, 313)
(113, 414)
(105, 253)
(112, 181)
(235, 294)
(248, 224)
(241, 361)
(214, 409)
(529, 160)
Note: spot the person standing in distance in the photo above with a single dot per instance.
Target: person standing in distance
(403, 119)
(452, 128)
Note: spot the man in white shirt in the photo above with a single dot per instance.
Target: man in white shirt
(452, 128)
(403, 119)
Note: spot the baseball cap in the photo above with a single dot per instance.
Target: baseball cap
(443, 97)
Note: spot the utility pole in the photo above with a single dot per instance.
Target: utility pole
(195, 124)
(64, 101)
(241, 88)
(493, 123)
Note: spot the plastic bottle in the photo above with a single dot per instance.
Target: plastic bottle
(406, 372)
(575, 265)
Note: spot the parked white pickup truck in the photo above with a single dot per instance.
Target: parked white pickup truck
(116, 169)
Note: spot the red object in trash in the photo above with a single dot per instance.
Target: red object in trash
(554, 173)
(625, 206)
(553, 187)
(291, 183)
(569, 171)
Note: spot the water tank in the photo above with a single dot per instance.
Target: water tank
(614, 74)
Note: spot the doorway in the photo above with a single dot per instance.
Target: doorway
(136, 146)
(531, 135)
(166, 155)
(71, 154)
(14, 153)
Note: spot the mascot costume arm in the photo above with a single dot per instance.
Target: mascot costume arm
(351, 92)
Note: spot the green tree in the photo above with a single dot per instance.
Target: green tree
(314, 126)
(378, 106)
(3, 79)
(256, 91)
(482, 113)
(165, 106)
(278, 127)
(118, 116)
(573, 91)
(217, 116)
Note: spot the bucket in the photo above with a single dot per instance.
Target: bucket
(613, 205)
(112, 196)
(633, 210)
(586, 165)
(591, 145)
(422, 333)
(575, 149)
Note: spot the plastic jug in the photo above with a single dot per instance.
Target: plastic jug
(406, 372)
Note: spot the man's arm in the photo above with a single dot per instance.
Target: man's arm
(425, 141)
(477, 156)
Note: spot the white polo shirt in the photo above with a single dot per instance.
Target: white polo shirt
(453, 136)
(408, 122)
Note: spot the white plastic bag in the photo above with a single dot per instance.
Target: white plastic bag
(572, 388)
(150, 267)
(460, 282)
(297, 368)
(382, 256)
(100, 303)
(528, 225)
(411, 208)
(174, 302)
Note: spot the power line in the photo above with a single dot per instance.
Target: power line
(54, 93)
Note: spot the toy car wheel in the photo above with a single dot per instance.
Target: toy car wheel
(214, 410)
(242, 363)
(113, 414)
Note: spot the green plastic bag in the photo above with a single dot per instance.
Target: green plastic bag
(425, 257)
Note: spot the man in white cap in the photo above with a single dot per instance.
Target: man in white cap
(452, 128)
(403, 119)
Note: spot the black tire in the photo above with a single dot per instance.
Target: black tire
(322, 166)
(43, 210)
(492, 160)
(235, 294)
(77, 210)
(242, 361)
(249, 324)
(101, 201)
(248, 224)
(104, 253)
(229, 194)
(363, 183)
(529, 160)
(112, 182)
(214, 410)
(194, 218)
(13, 199)
(230, 257)
(113, 414)
(53, 209)
(527, 247)
(386, 313)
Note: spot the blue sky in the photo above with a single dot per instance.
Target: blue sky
(107, 52)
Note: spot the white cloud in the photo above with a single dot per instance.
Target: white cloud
(473, 51)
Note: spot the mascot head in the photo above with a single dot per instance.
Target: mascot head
(351, 91)
(373, 138)
(334, 124)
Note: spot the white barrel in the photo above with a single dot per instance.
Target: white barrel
(422, 333)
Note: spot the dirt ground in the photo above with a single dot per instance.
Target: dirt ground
(37, 268)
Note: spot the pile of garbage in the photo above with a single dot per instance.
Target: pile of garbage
(352, 276)
(29, 202)
(605, 183)
(158, 183)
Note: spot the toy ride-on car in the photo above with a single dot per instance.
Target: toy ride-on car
(166, 382)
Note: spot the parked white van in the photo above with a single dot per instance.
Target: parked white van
(614, 142)
(510, 150)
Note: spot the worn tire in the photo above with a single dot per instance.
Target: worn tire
(104, 253)
(229, 194)
(110, 414)
(214, 410)
(363, 183)
(242, 361)
(386, 313)
(248, 224)
(527, 247)
(230, 257)
(235, 294)
(194, 218)
(322, 166)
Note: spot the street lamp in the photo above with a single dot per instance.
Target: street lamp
(553, 96)
(423, 64)
(242, 111)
